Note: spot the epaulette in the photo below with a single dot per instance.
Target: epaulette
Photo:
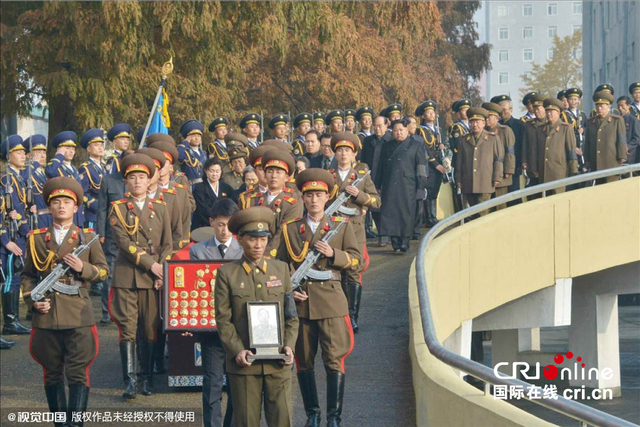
(39, 231)
(118, 202)
(290, 200)
(565, 124)
(176, 184)
(339, 219)
(84, 164)
(363, 170)
(291, 221)
(160, 202)
(169, 190)
(288, 190)
(491, 133)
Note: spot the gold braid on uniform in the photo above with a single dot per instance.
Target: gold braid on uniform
(334, 191)
(129, 229)
(37, 262)
(295, 258)
(21, 196)
(191, 163)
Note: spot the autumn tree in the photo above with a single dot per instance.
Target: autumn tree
(98, 63)
(562, 71)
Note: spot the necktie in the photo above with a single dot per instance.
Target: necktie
(222, 249)
(327, 162)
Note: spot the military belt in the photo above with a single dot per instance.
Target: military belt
(349, 211)
(322, 275)
(70, 289)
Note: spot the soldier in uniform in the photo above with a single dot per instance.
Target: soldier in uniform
(284, 203)
(91, 173)
(14, 234)
(319, 123)
(634, 91)
(335, 118)
(38, 151)
(364, 116)
(64, 338)
(632, 126)
(363, 197)
(191, 156)
(120, 135)
(142, 231)
(479, 166)
(238, 159)
(279, 127)
(605, 143)
(60, 165)
(517, 126)
(302, 125)
(250, 125)
(554, 156)
(533, 136)
(579, 121)
(606, 87)
(526, 101)
(218, 148)
(350, 120)
(4, 343)
(322, 305)
(507, 138)
(460, 128)
(393, 112)
(255, 278)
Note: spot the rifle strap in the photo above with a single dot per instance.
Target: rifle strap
(295, 258)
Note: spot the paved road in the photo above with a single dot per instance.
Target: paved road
(378, 392)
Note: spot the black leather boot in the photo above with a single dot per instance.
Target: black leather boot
(355, 294)
(158, 353)
(128, 360)
(307, 382)
(78, 398)
(368, 226)
(432, 212)
(57, 400)
(146, 368)
(10, 306)
(335, 392)
(6, 344)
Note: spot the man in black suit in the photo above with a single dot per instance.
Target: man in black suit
(112, 189)
(632, 126)
(208, 191)
(312, 145)
(329, 161)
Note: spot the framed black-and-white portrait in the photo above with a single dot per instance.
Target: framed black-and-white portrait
(264, 324)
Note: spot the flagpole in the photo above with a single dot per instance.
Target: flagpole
(167, 69)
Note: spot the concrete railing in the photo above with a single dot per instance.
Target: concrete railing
(470, 270)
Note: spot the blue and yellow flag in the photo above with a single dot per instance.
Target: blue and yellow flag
(161, 122)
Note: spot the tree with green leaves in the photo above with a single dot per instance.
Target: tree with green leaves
(98, 63)
(562, 71)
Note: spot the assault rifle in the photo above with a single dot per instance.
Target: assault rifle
(51, 281)
(336, 206)
(29, 202)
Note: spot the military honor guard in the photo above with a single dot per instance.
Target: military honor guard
(362, 198)
(278, 166)
(319, 122)
(633, 129)
(120, 134)
(64, 338)
(526, 101)
(350, 120)
(218, 148)
(460, 127)
(430, 132)
(191, 156)
(239, 283)
(634, 91)
(533, 136)
(60, 165)
(605, 143)
(364, 117)
(606, 87)
(321, 304)
(91, 173)
(301, 125)
(393, 112)
(479, 166)
(4, 343)
(579, 119)
(142, 231)
(250, 125)
(335, 118)
(279, 125)
(14, 232)
(37, 145)
(508, 140)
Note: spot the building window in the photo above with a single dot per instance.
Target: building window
(526, 75)
(503, 11)
(503, 34)
(552, 8)
(552, 31)
(503, 56)
(577, 28)
(527, 55)
(527, 32)
(527, 9)
(577, 8)
(549, 53)
(577, 53)
(504, 78)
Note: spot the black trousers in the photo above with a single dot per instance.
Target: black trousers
(213, 372)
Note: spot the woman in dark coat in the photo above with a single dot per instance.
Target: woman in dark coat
(208, 191)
